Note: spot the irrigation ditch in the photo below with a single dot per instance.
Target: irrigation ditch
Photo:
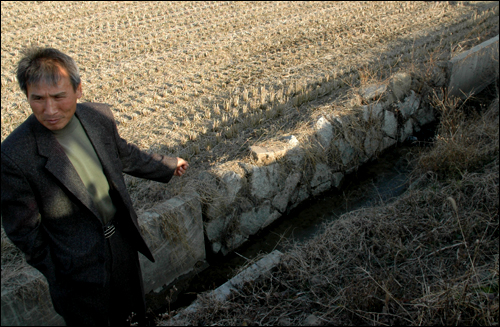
(375, 183)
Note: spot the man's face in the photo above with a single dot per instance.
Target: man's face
(54, 105)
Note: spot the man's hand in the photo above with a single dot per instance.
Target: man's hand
(182, 166)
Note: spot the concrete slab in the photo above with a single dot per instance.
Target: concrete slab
(223, 292)
(473, 70)
(266, 155)
(269, 154)
(182, 245)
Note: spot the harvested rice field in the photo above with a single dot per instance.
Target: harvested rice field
(205, 80)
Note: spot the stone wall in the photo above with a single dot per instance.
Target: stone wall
(283, 176)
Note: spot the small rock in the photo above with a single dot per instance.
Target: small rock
(284, 322)
(425, 115)
(295, 156)
(324, 130)
(336, 119)
(322, 179)
(216, 246)
(372, 111)
(410, 105)
(372, 141)
(292, 140)
(347, 152)
(407, 130)
(257, 218)
(372, 91)
(318, 281)
(321, 176)
(281, 200)
(300, 194)
(233, 184)
(390, 127)
(412, 139)
(400, 85)
(311, 320)
(337, 179)
(387, 142)
(215, 227)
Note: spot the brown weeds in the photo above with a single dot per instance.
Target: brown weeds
(428, 258)
(465, 142)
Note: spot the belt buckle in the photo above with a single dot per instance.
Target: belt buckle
(109, 231)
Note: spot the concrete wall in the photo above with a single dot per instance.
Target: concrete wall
(174, 232)
(257, 194)
(473, 70)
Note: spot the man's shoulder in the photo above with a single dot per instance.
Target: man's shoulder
(94, 111)
(104, 107)
(21, 139)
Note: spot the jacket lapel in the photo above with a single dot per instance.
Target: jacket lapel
(59, 165)
(103, 146)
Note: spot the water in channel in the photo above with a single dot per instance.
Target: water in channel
(374, 183)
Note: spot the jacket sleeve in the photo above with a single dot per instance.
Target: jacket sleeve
(21, 218)
(139, 163)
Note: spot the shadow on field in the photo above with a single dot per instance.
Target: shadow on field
(423, 57)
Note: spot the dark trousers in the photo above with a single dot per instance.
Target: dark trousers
(91, 305)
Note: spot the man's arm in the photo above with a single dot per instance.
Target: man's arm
(150, 166)
(134, 161)
(144, 165)
(21, 218)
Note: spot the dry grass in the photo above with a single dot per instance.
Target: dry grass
(428, 258)
(466, 141)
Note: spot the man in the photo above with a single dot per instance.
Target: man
(64, 200)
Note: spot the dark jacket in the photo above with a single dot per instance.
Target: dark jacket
(46, 209)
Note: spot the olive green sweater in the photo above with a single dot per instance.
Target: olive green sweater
(82, 155)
